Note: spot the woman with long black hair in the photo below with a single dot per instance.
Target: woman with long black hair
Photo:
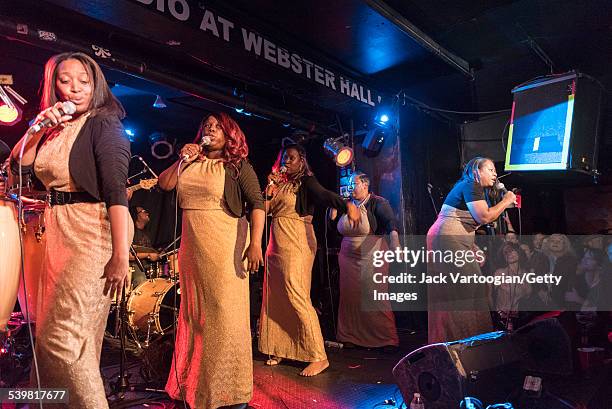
(289, 326)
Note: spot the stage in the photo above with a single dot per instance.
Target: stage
(356, 378)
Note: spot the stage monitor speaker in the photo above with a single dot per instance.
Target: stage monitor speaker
(484, 138)
(555, 124)
(487, 367)
(546, 344)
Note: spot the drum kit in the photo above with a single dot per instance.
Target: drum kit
(151, 305)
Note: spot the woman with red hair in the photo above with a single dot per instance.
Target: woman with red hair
(213, 365)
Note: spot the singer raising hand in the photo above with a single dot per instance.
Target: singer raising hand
(289, 325)
(213, 365)
(460, 311)
(82, 160)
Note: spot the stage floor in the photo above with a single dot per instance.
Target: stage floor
(356, 378)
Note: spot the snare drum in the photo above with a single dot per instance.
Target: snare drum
(10, 264)
(151, 306)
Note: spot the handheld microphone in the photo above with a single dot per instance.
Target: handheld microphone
(147, 166)
(204, 142)
(67, 108)
(281, 171)
(501, 187)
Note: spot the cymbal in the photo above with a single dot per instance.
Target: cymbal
(143, 249)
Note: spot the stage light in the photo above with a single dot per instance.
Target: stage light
(159, 103)
(342, 154)
(160, 147)
(382, 119)
(374, 140)
(131, 135)
(9, 115)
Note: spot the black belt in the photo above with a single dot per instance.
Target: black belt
(56, 198)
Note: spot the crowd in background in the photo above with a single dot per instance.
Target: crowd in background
(583, 262)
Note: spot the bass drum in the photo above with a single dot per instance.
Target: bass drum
(10, 265)
(151, 306)
(34, 246)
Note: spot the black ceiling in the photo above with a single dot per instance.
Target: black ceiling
(498, 38)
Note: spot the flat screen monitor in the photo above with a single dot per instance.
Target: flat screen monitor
(540, 129)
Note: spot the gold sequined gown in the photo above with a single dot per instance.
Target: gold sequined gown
(371, 325)
(72, 310)
(214, 362)
(289, 326)
(455, 311)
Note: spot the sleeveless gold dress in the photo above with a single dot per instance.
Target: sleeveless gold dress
(289, 326)
(72, 310)
(214, 362)
(373, 326)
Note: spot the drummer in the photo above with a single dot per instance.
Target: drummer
(142, 243)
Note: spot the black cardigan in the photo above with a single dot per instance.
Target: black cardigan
(380, 215)
(311, 194)
(99, 160)
(241, 185)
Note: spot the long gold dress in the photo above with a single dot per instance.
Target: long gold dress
(72, 310)
(214, 362)
(370, 325)
(455, 311)
(289, 326)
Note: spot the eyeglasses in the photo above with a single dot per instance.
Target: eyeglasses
(143, 210)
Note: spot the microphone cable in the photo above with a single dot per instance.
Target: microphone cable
(175, 281)
(267, 296)
(22, 269)
(329, 283)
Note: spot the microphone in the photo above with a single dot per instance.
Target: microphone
(499, 186)
(281, 171)
(502, 188)
(147, 166)
(67, 108)
(204, 142)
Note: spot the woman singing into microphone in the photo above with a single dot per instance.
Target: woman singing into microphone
(459, 311)
(214, 364)
(289, 326)
(82, 159)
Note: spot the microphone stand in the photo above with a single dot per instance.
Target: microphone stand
(165, 249)
(433, 202)
(123, 384)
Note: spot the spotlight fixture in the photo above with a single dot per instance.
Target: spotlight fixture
(383, 117)
(374, 140)
(342, 154)
(160, 147)
(159, 103)
(131, 134)
(10, 113)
